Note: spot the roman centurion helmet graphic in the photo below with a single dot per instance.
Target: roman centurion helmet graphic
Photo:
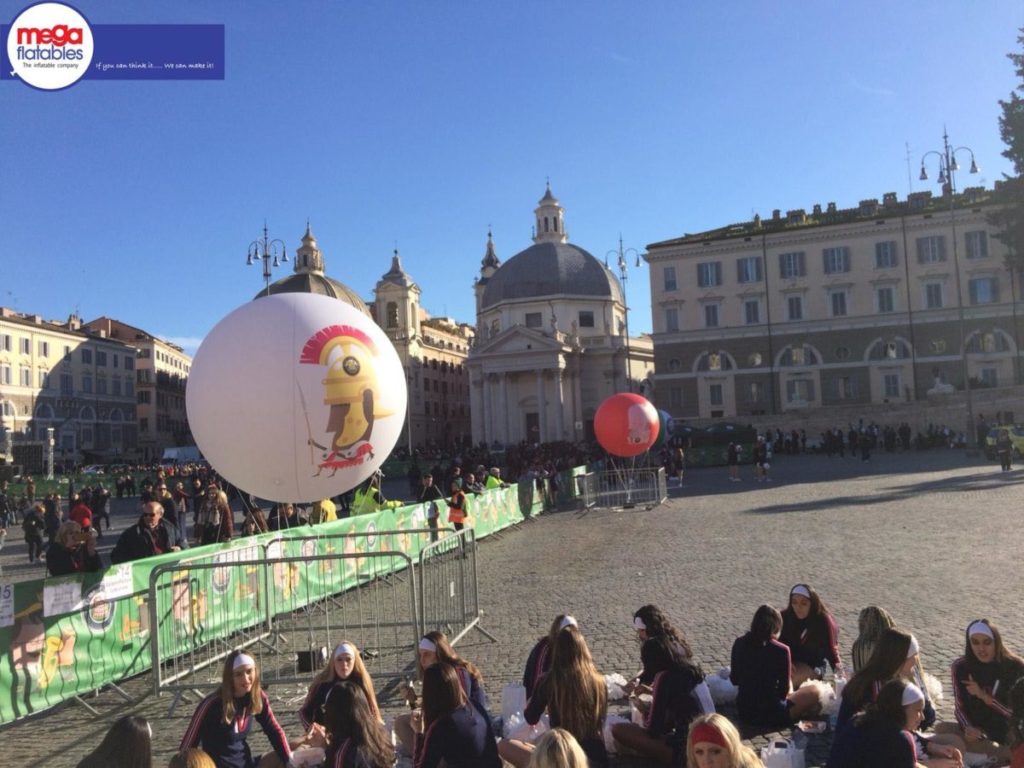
(351, 391)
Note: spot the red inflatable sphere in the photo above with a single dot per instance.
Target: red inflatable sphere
(626, 424)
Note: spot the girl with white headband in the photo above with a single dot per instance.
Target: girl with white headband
(223, 721)
(897, 657)
(345, 664)
(982, 679)
(811, 634)
(539, 660)
(883, 735)
(434, 648)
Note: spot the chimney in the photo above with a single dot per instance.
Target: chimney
(868, 207)
(776, 215)
(831, 208)
(796, 216)
(817, 209)
(889, 200)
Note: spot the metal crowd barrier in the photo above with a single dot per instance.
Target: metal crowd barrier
(624, 488)
(287, 612)
(449, 593)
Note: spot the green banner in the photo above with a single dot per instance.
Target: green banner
(67, 636)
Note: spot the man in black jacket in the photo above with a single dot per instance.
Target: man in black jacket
(152, 535)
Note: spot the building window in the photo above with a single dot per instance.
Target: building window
(101, 385)
(115, 361)
(976, 244)
(709, 274)
(66, 384)
(44, 379)
(534, 320)
(836, 260)
(87, 384)
(931, 249)
(115, 386)
(26, 376)
(715, 394)
(43, 348)
(5, 373)
(101, 358)
(837, 303)
(86, 355)
(755, 394)
(989, 377)
(752, 311)
(710, 315)
(983, 290)
(795, 308)
(129, 388)
(891, 385)
(799, 391)
(670, 278)
(792, 265)
(675, 398)
(586, 318)
(844, 388)
(25, 345)
(748, 270)
(5, 342)
(426, 384)
(391, 312)
(129, 364)
(885, 299)
(885, 254)
(671, 320)
(933, 296)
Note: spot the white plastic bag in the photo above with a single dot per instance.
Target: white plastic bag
(615, 683)
(707, 702)
(308, 757)
(610, 744)
(782, 754)
(530, 733)
(513, 701)
(721, 687)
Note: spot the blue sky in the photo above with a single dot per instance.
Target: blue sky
(422, 124)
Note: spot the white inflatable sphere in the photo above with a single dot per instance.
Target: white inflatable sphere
(296, 397)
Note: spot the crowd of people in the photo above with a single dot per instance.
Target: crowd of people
(886, 716)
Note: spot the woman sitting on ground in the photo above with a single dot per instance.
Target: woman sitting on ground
(128, 744)
(714, 742)
(883, 735)
(982, 679)
(810, 632)
(761, 669)
(73, 551)
(344, 664)
(672, 681)
(223, 720)
(355, 737)
(575, 697)
(871, 624)
(650, 622)
(449, 728)
(897, 656)
(557, 749)
(539, 660)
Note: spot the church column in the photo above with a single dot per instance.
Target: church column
(559, 403)
(577, 400)
(542, 416)
(503, 416)
(477, 408)
(490, 397)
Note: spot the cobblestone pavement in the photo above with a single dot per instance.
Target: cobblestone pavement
(933, 537)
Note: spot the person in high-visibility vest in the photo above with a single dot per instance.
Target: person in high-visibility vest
(494, 479)
(367, 498)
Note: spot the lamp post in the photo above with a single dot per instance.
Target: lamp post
(620, 255)
(948, 167)
(272, 252)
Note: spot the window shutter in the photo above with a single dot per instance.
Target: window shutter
(802, 258)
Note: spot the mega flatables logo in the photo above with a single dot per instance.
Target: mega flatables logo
(50, 46)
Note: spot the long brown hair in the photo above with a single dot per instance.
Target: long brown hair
(442, 692)
(347, 714)
(889, 655)
(359, 676)
(657, 623)
(447, 654)
(227, 689)
(577, 691)
(1001, 654)
(818, 607)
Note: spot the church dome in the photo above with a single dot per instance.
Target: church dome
(309, 277)
(551, 269)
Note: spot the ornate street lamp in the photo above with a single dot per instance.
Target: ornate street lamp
(272, 252)
(948, 167)
(620, 255)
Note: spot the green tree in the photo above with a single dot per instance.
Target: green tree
(1009, 218)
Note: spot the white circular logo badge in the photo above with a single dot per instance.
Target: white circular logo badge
(50, 46)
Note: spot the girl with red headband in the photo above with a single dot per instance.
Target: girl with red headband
(714, 742)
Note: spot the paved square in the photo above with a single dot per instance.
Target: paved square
(933, 537)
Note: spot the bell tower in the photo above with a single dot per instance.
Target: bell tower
(550, 220)
(397, 302)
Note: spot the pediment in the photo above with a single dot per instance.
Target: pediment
(518, 340)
